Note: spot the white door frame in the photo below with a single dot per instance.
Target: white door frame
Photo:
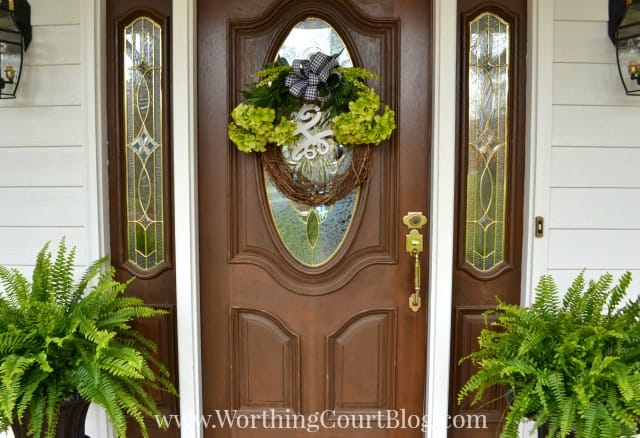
(184, 74)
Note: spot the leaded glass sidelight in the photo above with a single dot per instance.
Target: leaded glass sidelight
(144, 143)
(312, 235)
(488, 148)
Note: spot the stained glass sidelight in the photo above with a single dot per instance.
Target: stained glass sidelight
(488, 146)
(313, 234)
(144, 142)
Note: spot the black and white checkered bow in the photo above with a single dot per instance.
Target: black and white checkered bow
(307, 75)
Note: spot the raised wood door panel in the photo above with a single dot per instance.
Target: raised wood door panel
(277, 334)
(156, 282)
(475, 289)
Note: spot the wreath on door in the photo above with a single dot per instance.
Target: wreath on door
(309, 109)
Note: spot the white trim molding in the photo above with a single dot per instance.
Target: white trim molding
(538, 157)
(92, 48)
(442, 219)
(538, 149)
(92, 29)
(186, 217)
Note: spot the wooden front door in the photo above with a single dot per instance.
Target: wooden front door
(291, 345)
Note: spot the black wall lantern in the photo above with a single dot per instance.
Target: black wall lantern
(624, 30)
(15, 36)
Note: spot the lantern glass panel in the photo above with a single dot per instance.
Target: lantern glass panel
(11, 43)
(628, 49)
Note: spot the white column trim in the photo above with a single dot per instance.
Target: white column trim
(442, 220)
(538, 150)
(92, 29)
(539, 128)
(92, 55)
(186, 217)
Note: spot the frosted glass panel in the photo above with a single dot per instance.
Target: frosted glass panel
(144, 143)
(488, 142)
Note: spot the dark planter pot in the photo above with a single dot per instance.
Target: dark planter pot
(73, 413)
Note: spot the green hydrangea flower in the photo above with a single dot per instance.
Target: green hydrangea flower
(251, 128)
(362, 124)
(283, 133)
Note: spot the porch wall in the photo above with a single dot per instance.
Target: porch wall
(47, 165)
(43, 186)
(594, 193)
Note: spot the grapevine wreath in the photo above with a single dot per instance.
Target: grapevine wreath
(296, 112)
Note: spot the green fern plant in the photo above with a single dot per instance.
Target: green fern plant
(571, 363)
(59, 337)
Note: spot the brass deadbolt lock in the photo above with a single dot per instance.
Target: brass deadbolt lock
(414, 220)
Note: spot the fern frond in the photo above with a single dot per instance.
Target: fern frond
(119, 366)
(40, 283)
(13, 340)
(572, 298)
(132, 407)
(619, 292)
(28, 392)
(94, 269)
(62, 274)
(595, 298)
(16, 287)
(14, 366)
(52, 408)
(567, 416)
(37, 415)
(546, 302)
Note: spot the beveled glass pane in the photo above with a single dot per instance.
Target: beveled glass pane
(313, 234)
(144, 142)
(488, 142)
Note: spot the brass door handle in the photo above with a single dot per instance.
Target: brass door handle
(414, 246)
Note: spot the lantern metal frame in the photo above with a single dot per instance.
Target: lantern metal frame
(624, 31)
(15, 36)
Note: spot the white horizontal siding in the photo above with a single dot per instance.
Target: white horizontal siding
(48, 85)
(40, 126)
(596, 209)
(47, 12)
(55, 45)
(595, 167)
(594, 190)
(581, 10)
(42, 167)
(23, 243)
(594, 249)
(42, 207)
(589, 85)
(581, 42)
(600, 126)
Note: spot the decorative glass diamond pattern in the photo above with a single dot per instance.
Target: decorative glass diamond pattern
(488, 142)
(143, 142)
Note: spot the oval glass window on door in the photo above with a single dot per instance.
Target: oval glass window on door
(313, 234)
